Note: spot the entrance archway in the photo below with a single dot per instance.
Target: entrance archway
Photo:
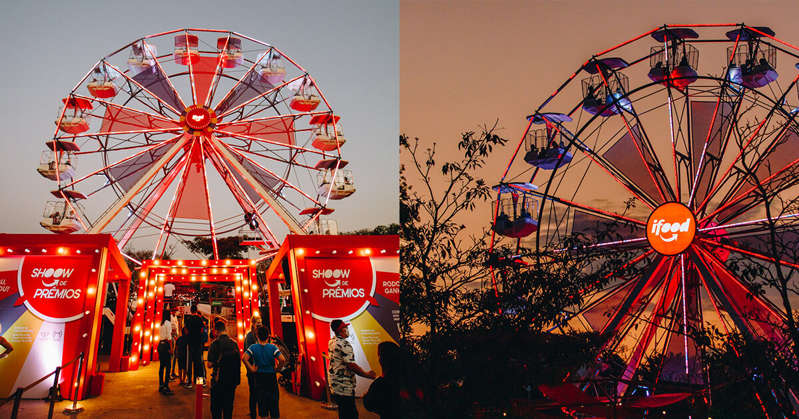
(150, 303)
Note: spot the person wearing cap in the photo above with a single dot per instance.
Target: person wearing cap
(249, 340)
(342, 371)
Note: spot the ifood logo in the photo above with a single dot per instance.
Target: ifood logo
(671, 228)
(660, 227)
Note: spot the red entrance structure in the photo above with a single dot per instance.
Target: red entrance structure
(150, 304)
(353, 278)
(52, 293)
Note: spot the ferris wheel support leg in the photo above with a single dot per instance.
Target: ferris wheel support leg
(284, 215)
(112, 211)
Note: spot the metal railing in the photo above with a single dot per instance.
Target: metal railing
(54, 393)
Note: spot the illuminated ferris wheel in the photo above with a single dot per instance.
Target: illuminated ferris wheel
(194, 133)
(681, 170)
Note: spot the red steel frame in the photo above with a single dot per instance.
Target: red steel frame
(293, 251)
(83, 335)
(210, 146)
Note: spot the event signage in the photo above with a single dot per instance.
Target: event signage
(340, 288)
(53, 289)
(671, 228)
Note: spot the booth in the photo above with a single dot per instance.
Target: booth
(52, 294)
(154, 274)
(353, 278)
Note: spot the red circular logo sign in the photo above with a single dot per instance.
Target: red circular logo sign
(54, 288)
(198, 119)
(339, 288)
(671, 228)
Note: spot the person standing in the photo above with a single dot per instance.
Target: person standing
(249, 340)
(343, 370)
(224, 358)
(194, 362)
(181, 354)
(164, 355)
(260, 360)
(383, 396)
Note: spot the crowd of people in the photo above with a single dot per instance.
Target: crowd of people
(182, 352)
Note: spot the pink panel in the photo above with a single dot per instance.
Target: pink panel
(626, 157)
(193, 197)
(763, 322)
(778, 159)
(117, 118)
(280, 130)
(701, 115)
(204, 71)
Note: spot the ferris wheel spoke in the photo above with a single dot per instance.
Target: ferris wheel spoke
(759, 193)
(149, 148)
(757, 165)
(645, 284)
(171, 103)
(711, 128)
(143, 211)
(719, 245)
(735, 298)
(610, 169)
(122, 117)
(112, 211)
(273, 174)
(191, 158)
(247, 92)
(649, 158)
(668, 295)
(265, 139)
(712, 151)
(246, 198)
(238, 83)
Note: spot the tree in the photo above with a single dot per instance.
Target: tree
(228, 247)
(469, 317)
(380, 230)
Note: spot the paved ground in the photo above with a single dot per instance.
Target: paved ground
(134, 394)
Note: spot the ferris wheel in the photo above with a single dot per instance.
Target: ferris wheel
(678, 164)
(194, 133)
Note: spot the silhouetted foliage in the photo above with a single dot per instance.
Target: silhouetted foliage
(228, 247)
(380, 230)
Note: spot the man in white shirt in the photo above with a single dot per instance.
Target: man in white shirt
(164, 354)
(169, 288)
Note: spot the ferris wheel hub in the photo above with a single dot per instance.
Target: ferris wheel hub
(198, 119)
(671, 228)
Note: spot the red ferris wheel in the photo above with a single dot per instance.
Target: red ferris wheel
(194, 133)
(687, 170)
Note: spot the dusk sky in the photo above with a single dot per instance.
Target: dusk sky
(350, 48)
(483, 61)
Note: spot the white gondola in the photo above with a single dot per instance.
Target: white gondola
(59, 217)
(102, 84)
(305, 99)
(71, 115)
(273, 71)
(186, 49)
(142, 57)
(328, 137)
(230, 50)
(342, 186)
(65, 167)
